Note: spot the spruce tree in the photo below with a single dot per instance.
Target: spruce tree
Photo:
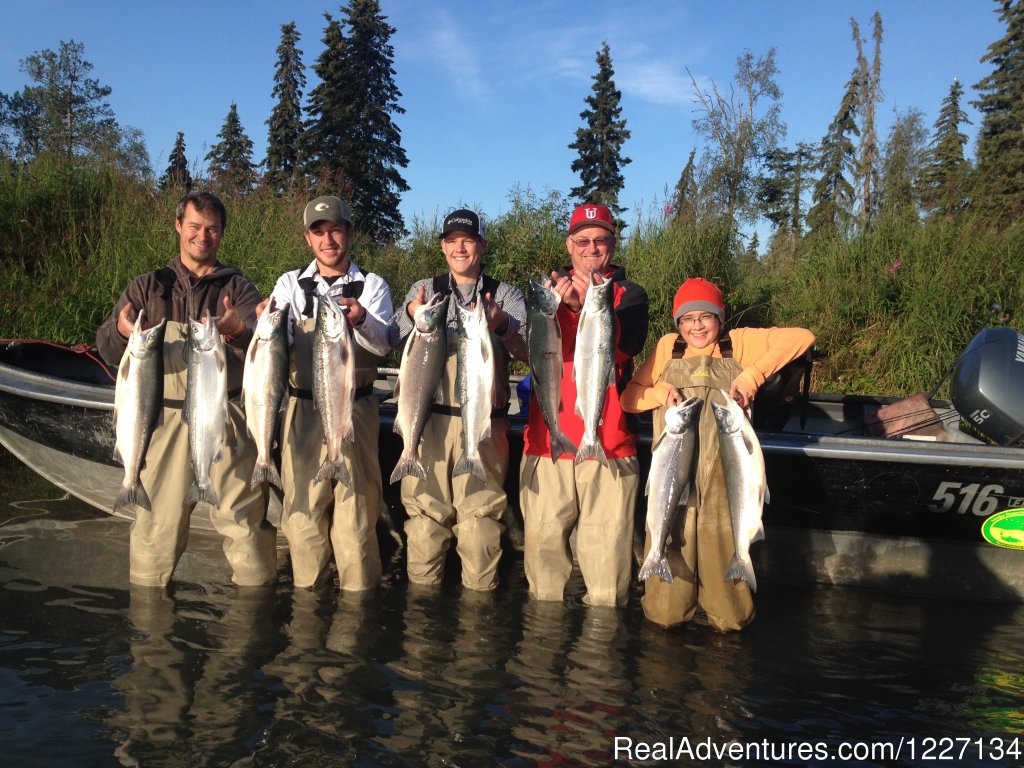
(1000, 149)
(285, 122)
(177, 176)
(899, 193)
(230, 159)
(352, 144)
(946, 176)
(67, 112)
(684, 197)
(868, 159)
(833, 194)
(599, 143)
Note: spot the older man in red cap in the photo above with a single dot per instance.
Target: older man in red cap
(702, 361)
(557, 494)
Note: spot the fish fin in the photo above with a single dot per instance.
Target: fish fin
(741, 570)
(408, 465)
(117, 455)
(767, 496)
(561, 445)
(133, 494)
(467, 465)
(591, 451)
(333, 471)
(758, 534)
(264, 473)
(196, 494)
(655, 566)
(748, 444)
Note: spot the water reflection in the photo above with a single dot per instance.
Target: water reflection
(191, 690)
(208, 674)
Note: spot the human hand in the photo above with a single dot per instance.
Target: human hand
(229, 323)
(572, 289)
(262, 306)
(740, 396)
(497, 318)
(126, 320)
(416, 302)
(673, 397)
(355, 312)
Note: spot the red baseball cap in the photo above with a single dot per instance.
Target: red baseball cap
(591, 215)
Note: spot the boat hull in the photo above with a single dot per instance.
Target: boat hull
(847, 509)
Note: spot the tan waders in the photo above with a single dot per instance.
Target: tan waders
(465, 506)
(701, 543)
(330, 516)
(599, 503)
(158, 537)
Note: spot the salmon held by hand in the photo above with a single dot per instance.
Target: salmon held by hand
(138, 396)
(668, 484)
(419, 376)
(264, 381)
(593, 365)
(206, 405)
(334, 386)
(474, 386)
(745, 484)
(544, 341)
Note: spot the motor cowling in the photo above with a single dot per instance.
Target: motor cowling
(987, 387)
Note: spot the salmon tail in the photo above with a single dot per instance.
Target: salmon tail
(408, 465)
(132, 494)
(199, 493)
(467, 465)
(333, 471)
(561, 445)
(264, 472)
(592, 450)
(655, 566)
(741, 569)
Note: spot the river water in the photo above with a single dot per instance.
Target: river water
(93, 673)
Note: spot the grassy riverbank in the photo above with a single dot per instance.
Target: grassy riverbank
(891, 308)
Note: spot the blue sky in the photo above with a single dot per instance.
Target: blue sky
(493, 90)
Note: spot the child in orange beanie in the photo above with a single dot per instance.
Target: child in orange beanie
(699, 360)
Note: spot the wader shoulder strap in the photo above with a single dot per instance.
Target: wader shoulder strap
(167, 277)
(442, 285)
(724, 346)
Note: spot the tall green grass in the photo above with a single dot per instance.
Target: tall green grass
(891, 308)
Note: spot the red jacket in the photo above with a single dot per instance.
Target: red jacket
(618, 437)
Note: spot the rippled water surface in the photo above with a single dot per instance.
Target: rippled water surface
(93, 673)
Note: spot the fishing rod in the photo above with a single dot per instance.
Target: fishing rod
(993, 308)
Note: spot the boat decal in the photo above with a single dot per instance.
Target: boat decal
(1005, 529)
(980, 500)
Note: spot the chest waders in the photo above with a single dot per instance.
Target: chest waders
(701, 545)
(158, 539)
(464, 506)
(330, 518)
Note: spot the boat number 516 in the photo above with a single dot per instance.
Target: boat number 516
(980, 500)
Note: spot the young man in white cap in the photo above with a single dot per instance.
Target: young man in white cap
(596, 500)
(462, 506)
(331, 516)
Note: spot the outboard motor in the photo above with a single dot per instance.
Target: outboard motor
(987, 387)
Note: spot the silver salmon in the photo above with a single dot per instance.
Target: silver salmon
(419, 376)
(594, 365)
(334, 386)
(138, 404)
(745, 484)
(668, 484)
(206, 405)
(544, 341)
(474, 387)
(264, 381)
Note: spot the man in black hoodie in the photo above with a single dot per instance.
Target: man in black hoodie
(192, 283)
